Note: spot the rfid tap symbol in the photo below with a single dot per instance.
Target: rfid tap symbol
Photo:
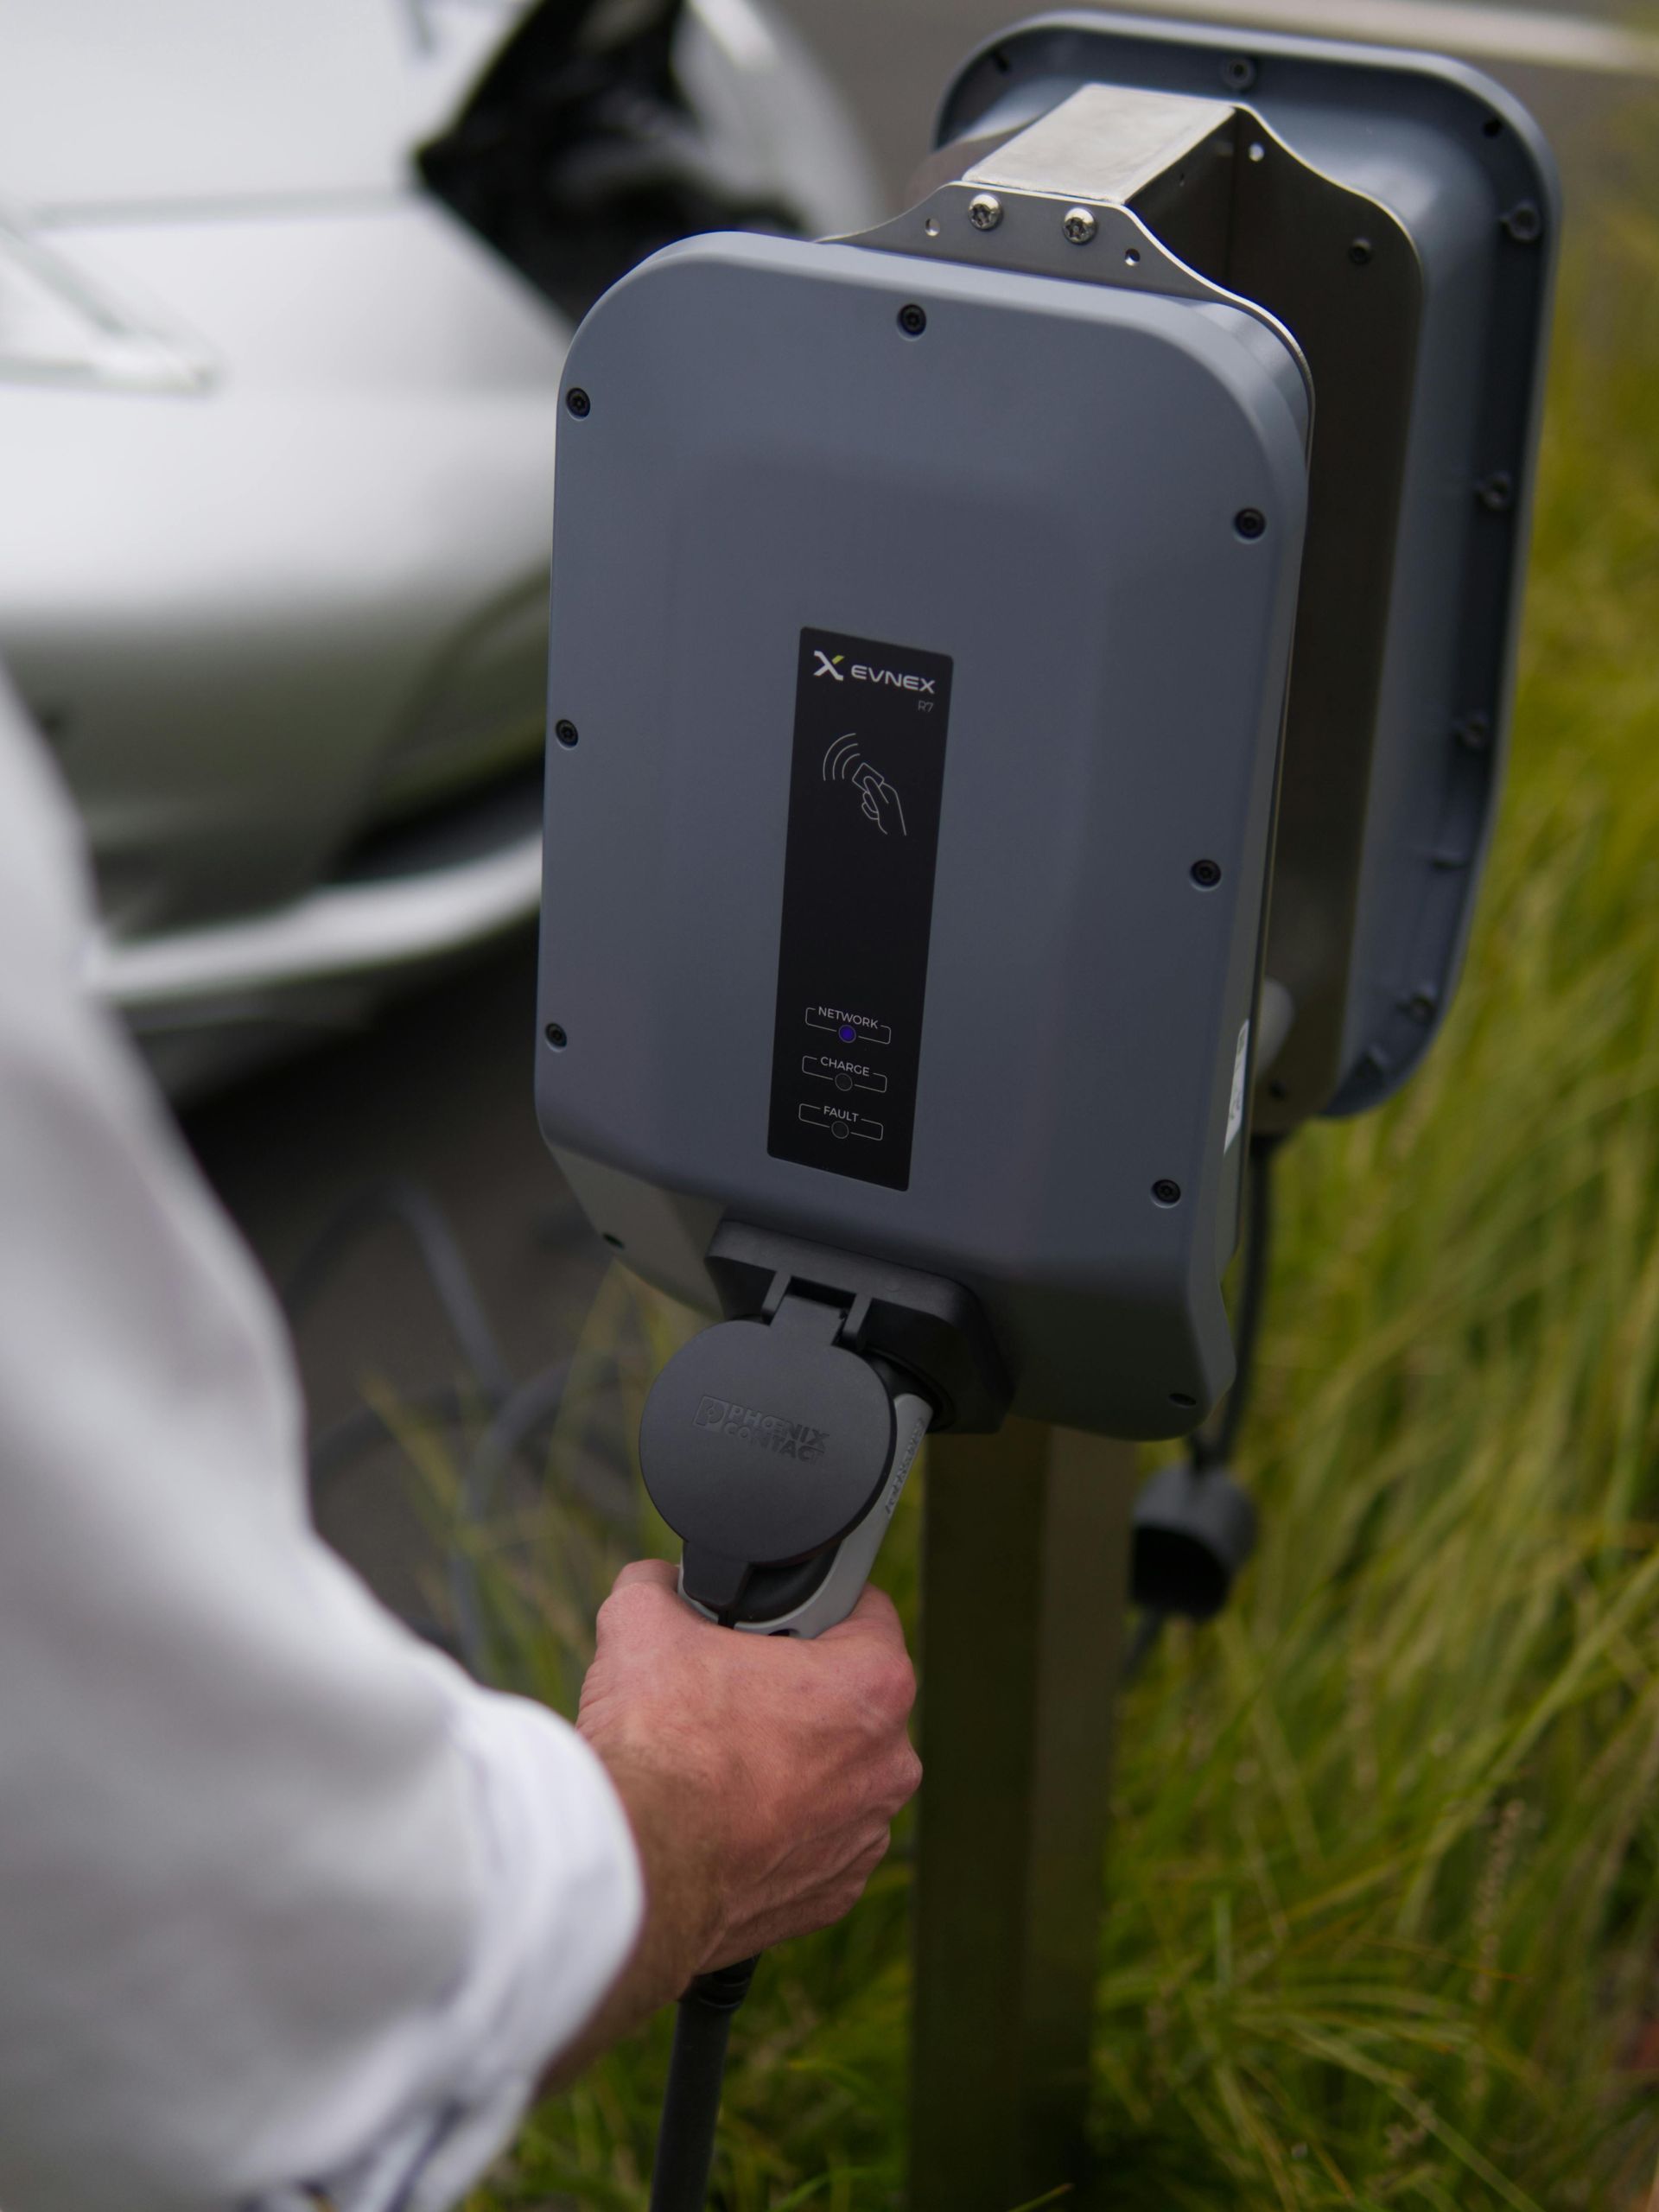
(878, 800)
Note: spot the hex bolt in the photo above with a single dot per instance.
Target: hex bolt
(1524, 223)
(912, 319)
(1166, 1193)
(555, 1036)
(1361, 252)
(1078, 225)
(578, 401)
(1250, 522)
(1206, 874)
(984, 211)
(1238, 73)
(565, 732)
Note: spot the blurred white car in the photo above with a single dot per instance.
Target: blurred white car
(285, 286)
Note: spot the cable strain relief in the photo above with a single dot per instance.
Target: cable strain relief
(723, 1989)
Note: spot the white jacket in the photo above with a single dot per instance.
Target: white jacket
(289, 1907)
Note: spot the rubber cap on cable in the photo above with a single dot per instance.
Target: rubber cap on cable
(1193, 1529)
(762, 1445)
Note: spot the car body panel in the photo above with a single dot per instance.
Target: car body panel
(282, 615)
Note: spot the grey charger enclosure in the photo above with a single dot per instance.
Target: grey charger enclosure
(947, 858)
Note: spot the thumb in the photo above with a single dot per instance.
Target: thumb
(660, 1573)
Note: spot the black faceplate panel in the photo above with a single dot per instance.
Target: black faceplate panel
(865, 789)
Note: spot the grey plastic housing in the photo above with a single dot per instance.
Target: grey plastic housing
(1402, 685)
(857, 1554)
(1045, 487)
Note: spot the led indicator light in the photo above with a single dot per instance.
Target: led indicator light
(847, 1032)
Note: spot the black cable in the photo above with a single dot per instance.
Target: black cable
(446, 1269)
(359, 1431)
(1213, 1448)
(697, 2069)
(1148, 1630)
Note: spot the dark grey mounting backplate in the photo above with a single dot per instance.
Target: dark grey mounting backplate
(1418, 522)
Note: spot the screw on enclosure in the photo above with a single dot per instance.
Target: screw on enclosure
(1474, 732)
(1206, 874)
(1238, 73)
(1523, 222)
(1497, 492)
(1424, 1003)
(565, 732)
(555, 1036)
(1360, 252)
(578, 401)
(984, 211)
(1250, 522)
(1166, 1193)
(912, 319)
(1078, 225)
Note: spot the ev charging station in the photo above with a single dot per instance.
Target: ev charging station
(1029, 688)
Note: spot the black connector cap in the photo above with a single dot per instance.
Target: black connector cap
(761, 1446)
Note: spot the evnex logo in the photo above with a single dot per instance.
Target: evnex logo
(789, 1440)
(861, 672)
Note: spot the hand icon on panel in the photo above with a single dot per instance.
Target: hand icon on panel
(879, 801)
(879, 798)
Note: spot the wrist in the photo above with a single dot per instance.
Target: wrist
(680, 1866)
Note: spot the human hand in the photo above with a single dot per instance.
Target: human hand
(761, 1774)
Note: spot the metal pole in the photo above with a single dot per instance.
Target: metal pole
(1025, 1573)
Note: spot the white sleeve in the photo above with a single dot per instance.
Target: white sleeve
(287, 1904)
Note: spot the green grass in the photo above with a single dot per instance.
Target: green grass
(1384, 1926)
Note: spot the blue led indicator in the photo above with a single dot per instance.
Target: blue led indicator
(847, 1032)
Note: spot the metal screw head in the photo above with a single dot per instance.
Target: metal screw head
(1166, 1193)
(1497, 492)
(1078, 225)
(1474, 732)
(1238, 73)
(578, 401)
(1250, 522)
(1523, 222)
(565, 732)
(984, 211)
(555, 1036)
(1360, 252)
(1206, 874)
(912, 319)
